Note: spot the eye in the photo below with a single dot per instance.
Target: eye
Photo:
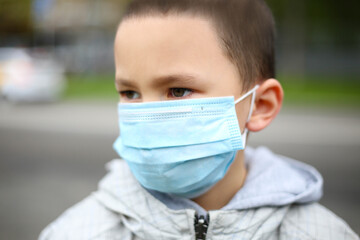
(179, 92)
(130, 94)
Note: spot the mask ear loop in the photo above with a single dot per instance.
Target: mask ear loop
(253, 93)
(247, 94)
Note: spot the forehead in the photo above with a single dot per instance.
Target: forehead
(159, 45)
(166, 34)
(184, 27)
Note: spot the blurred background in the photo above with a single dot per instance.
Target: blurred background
(58, 103)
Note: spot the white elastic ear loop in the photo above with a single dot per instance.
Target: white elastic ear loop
(247, 94)
(253, 92)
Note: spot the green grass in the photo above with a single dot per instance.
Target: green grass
(91, 87)
(310, 90)
(322, 91)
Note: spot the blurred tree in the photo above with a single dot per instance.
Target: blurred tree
(317, 37)
(15, 22)
(331, 28)
(15, 16)
(323, 20)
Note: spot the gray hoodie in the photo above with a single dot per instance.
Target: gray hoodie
(277, 201)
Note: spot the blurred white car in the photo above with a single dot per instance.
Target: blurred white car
(31, 77)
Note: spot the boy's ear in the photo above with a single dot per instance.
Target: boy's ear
(268, 101)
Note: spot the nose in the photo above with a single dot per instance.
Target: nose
(151, 97)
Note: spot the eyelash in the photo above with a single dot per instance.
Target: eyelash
(185, 89)
(124, 93)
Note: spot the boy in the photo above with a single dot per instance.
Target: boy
(193, 78)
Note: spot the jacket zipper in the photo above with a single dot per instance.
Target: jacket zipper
(201, 224)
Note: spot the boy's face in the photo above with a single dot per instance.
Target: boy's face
(173, 58)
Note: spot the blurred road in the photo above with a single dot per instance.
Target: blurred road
(53, 155)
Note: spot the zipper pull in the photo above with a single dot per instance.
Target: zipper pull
(201, 224)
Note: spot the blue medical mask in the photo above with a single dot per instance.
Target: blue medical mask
(180, 147)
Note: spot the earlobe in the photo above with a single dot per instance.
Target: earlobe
(268, 102)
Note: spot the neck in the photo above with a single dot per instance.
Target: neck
(224, 190)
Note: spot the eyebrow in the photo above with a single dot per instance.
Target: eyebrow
(176, 79)
(173, 79)
(124, 82)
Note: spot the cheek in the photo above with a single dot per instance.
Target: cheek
(242, 112)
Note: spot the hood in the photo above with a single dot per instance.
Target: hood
(122, 209)
(272, 180)
(275, 180)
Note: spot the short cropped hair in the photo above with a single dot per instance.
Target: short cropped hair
(246, 30)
